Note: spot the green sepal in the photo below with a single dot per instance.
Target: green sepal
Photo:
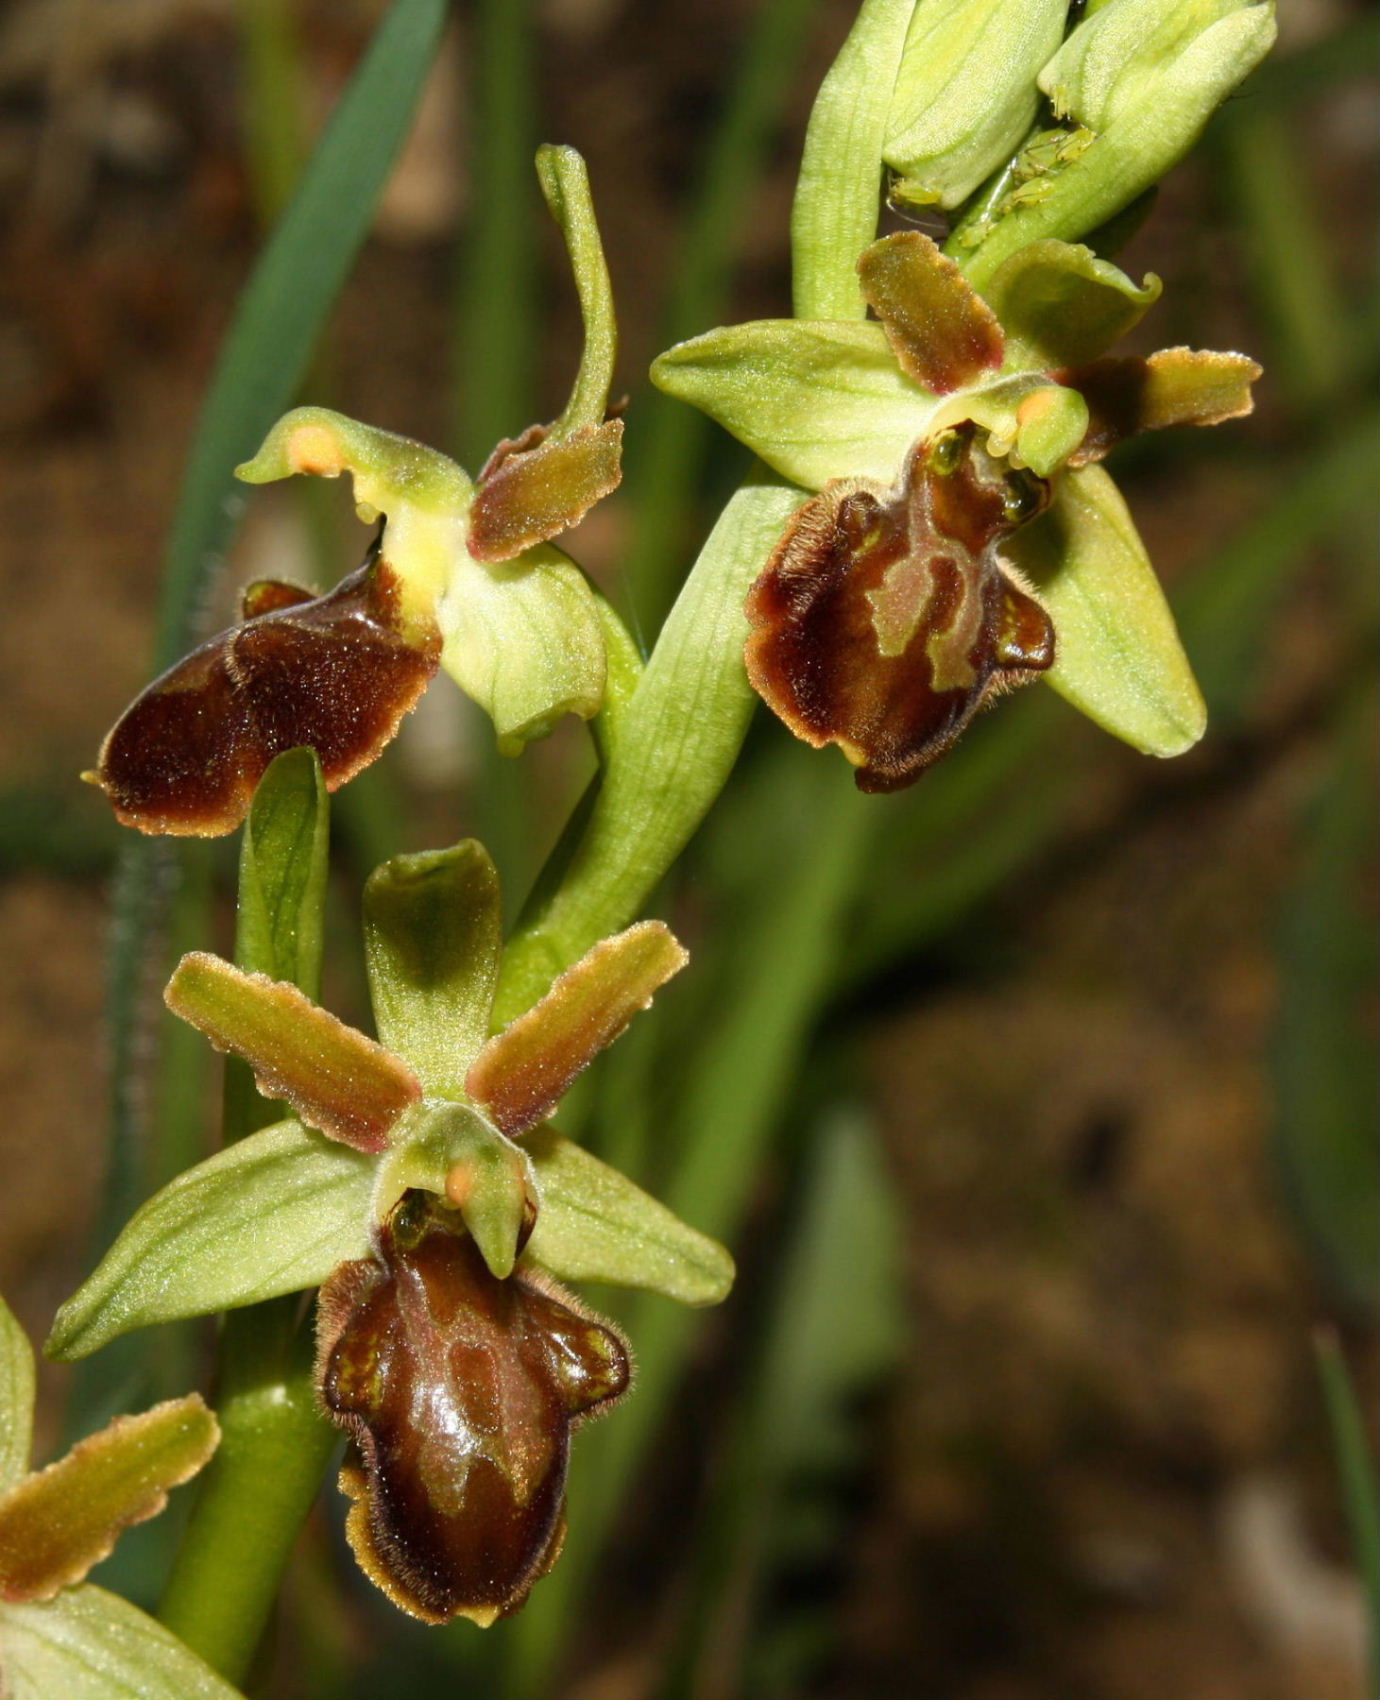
(965, 93)
(454, 1151)
(92, 1645)
(1060, 305)
(815, 399)
(272, 1214)
(433, 935)
(565, 184)
(387, 469)
(284, 859)
(16, 1398)
(594, 1224)
(1117, 656)
(524, 639)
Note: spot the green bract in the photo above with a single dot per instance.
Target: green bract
(454, 1112)
(823, 400)
(59, 1636)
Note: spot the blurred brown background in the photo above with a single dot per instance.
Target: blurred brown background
(1102, 1467)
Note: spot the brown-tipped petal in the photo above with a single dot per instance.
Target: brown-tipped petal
(338, 672)
(528, 495)
(524, 1072)
(885, 619)
(337, 1080)
(944, 335)
(270, 596)
(459, 1392)
(1177, 386)
(55, 1525)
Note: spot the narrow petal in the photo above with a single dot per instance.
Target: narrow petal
(16, 1398)
(524, 1072)
(943, 334)
(338, 673)
(337, 1081)
(1119, 660)
(527, 495)
(92, 1645)
(57, 1524)
(271, 1214)
(460, 1392)
(594, 1224)
(1177, 386)
(433, 934)
(815, 399)
(1060, 305)
(884, 620)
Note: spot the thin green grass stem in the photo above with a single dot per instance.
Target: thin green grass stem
(1356, 1469)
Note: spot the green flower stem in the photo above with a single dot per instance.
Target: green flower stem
(257, 1491)
(675, 745)
(255, 1495)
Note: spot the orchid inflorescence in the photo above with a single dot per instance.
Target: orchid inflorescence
(935, 529)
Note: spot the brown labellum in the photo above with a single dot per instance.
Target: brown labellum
(337, 672)
(459, 1392)
(885, 619)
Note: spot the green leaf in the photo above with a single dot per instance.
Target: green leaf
(59, 1522)
(91, 1645)
(284, 308)
(565, 184)
(1117, 652)
(1060, 305)
(16, 1398)
(284, 860)
(335, 1078)
(272, 1214)
(815, 400)
(433, 935)
(594, 1224)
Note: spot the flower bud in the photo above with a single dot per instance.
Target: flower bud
(1140, 79)
(965, 92)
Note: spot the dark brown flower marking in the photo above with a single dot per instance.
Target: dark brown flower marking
(459, 1392)
(885, 619)
(337, 672)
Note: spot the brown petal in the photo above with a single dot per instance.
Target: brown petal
(55, 1525)
(460, 1392)
(524, 1072)
(885, 619)
(1177, 386)
(944, 335)
(337, 672)
(337, 1080)
(536, 487)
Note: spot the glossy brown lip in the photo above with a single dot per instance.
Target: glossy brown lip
(334, 672)
(884, 619)
(459, 1392)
